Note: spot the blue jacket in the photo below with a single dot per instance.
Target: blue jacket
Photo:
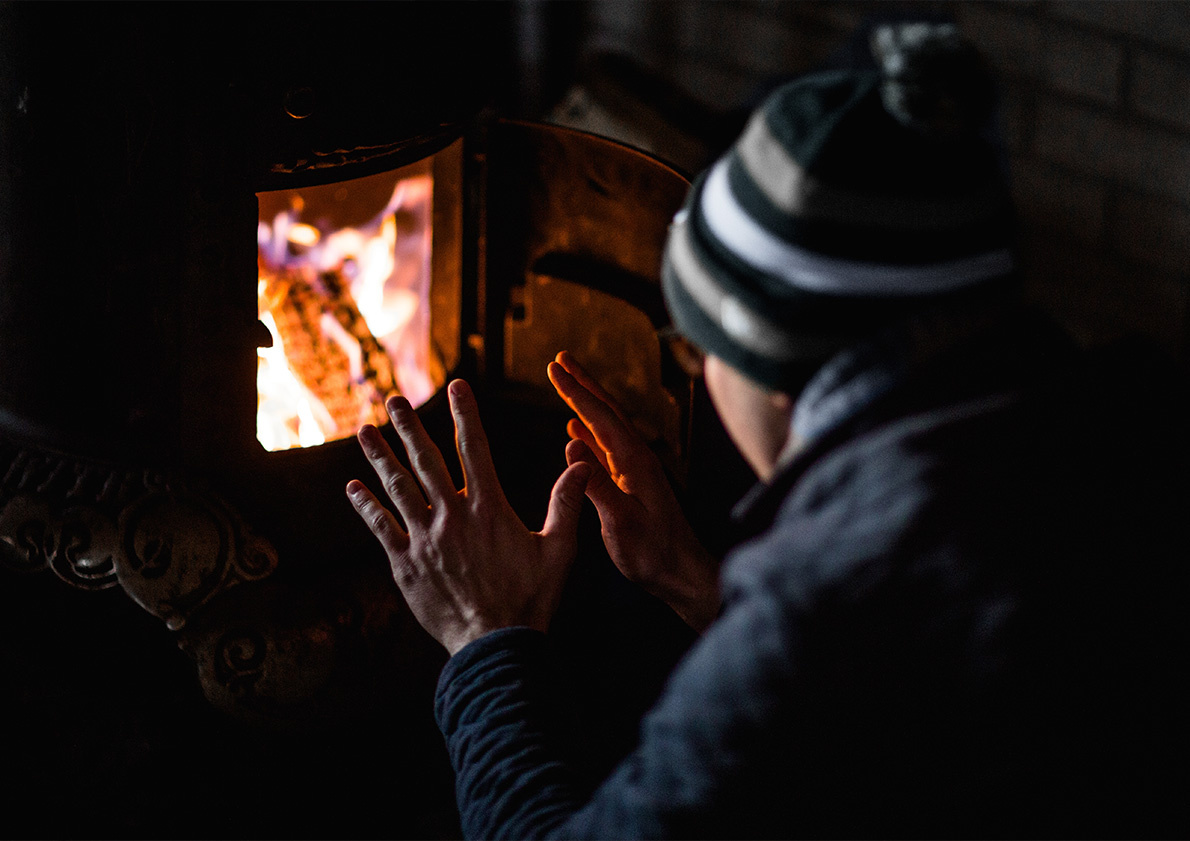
(931, 632)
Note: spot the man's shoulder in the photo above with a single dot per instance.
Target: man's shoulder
(913, 508)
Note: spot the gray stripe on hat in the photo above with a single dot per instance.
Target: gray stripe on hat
(785, 183)
(743, 325)
(802, 269)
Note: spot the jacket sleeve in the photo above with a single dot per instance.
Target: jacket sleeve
(716, 722)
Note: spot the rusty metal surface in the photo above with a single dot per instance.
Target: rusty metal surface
(577, 227)
(557, 191)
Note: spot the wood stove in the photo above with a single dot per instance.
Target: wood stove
(217, 260)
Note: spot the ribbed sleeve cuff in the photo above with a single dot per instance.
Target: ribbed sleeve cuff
(481, 664)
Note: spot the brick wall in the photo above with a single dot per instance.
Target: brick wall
(1096, 115)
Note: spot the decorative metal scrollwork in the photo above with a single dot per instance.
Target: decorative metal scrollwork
(171, 548)
(270, 654)
(239, 660)
(87, 548)
(78, 543)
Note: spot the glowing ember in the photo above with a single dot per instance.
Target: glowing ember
(346, 305)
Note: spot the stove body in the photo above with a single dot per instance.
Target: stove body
(140, 171)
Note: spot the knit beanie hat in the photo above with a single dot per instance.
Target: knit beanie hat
(851, 196)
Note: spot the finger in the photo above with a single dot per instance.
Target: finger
(577, 430)
(610, 431)
(566, 504)
(479, 472)
(379, 520)
(398, 483)
(425, 458)
(584, 378)
(601, 488)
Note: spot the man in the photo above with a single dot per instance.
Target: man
(913, 641)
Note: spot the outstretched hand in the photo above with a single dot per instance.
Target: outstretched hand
(644, 528)
(463, 560)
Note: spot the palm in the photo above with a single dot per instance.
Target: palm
(645, 531)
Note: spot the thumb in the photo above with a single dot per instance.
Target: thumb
(601, 489)
(566, 503)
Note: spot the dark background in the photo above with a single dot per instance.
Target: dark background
(158, 109)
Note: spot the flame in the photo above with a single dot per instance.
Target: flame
(347, 309)
(287, 411)
(302, 234)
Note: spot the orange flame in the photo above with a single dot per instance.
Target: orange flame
(347, 309)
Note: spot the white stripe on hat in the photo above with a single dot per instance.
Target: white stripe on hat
(745, 326)
(803, 269)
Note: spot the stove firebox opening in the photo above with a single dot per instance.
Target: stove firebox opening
(344, 288)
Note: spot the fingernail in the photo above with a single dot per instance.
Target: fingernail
(355, 488)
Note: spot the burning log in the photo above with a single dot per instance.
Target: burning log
(328, 347)
(377, 368)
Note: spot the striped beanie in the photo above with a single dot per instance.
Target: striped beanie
(851, 197)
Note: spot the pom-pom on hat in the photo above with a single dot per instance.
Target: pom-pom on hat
(851, 197)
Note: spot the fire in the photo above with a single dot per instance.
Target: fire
(301, 234)
(346, 306)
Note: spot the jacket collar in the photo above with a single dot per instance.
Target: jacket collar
(932, 357)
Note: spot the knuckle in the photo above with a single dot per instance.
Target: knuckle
(437, 534)
(440, 523)
(471, 447)
(394, 482)
(478, 512)
(572, 500)
(599, 481)
(407, 422)
(403, 571)
(372, 451)
(378, 520)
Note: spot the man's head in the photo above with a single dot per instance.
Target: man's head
(853, 199)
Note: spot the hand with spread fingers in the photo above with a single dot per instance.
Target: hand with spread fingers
(644, 528)
(464, 561)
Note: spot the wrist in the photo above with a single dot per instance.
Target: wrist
(694, 596)
(483, 626)
(460, 640)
